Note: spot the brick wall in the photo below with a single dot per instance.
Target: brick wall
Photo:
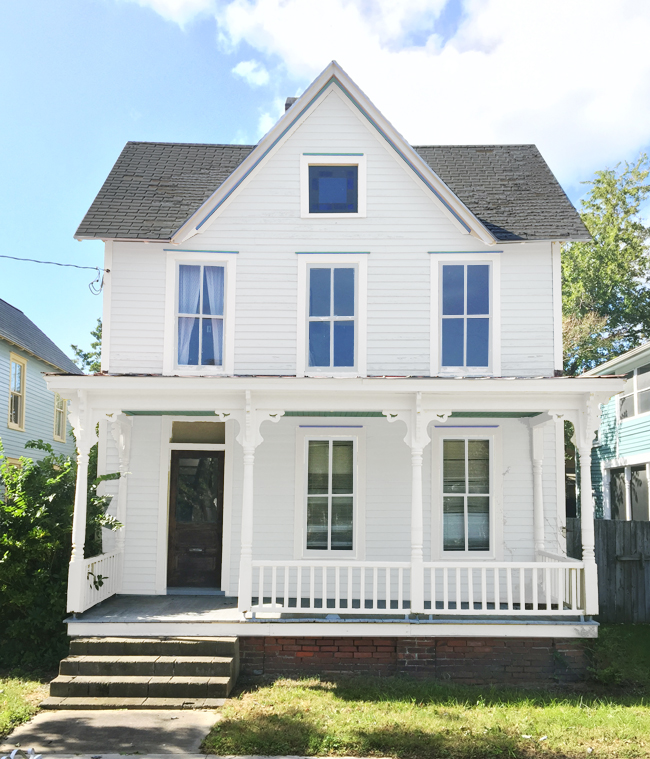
(466, 660)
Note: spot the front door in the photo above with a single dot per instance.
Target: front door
(195, 519)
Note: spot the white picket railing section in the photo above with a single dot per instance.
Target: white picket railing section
(547, 588)
(99, 578)
(363, 587)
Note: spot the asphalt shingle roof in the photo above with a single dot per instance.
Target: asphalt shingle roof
(155, 186)
(17, 329)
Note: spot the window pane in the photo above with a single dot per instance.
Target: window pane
(213, 277)
(478, 462)
(318, 467)
(453, 523)
(319, 292)
(644, 401)
(452, 342)
(478, 342)
(333, 189)
(15, 405)
(478, 524)
(626, 407)
(617, 493)
(317, 523)
(453, 290)
(478, 289)
(343, 343)
(189, 289)
(319, 343)
(342, 524)
(453, 467)
(212, 343)
(188, 341)
(643, 377)
(16, 377)
(342, 466)
(343, 292)
(639, 493)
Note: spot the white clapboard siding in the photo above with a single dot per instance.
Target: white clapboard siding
(262, 222)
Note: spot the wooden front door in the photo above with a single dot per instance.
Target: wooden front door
(195, 519)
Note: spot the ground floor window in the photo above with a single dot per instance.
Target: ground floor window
(639, 501)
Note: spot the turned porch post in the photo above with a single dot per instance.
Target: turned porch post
(121, 428)
(537, 425)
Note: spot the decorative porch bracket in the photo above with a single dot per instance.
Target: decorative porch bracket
(121, 427)
(417, 420)
(250, 420)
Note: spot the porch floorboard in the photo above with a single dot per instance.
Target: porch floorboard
(173, 608)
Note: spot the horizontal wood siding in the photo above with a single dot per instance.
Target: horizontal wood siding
(39, 409)
(262, 222)
(634, 436)
(606, 450)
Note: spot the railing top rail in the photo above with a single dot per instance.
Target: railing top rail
(101, 556)
(333, 563)
(573, 564)
(558, 557)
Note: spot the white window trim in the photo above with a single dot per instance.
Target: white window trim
(332, 158)
(437, 261)
(634, 392)
(305, 261)
(229, 262)
(57, 397)
(14, 358)
(336, 432)
(493, 434)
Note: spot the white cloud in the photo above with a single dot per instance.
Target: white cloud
(180, 11)
(252, 72)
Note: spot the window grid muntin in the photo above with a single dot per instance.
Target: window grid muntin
(59, 418)
(331, 441)
(16, 410)
(200, 315)
(465, 316)
(332, 318)
(467, 494)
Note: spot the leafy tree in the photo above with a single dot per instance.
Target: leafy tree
(36, 506)
(605, 289)
(90, 361)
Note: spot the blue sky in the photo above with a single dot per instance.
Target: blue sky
(81, 77)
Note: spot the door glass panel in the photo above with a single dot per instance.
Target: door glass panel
(454, 466)
(342, 523)
(318, 467)
(342, 470)
(478, 461)
(317, 523)
(454, 523)
(196, 498)
(478, 523)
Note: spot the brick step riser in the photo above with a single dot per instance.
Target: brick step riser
(153, 648)
(147, 669)
(141, 690)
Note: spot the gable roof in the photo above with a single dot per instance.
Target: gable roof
(626, 362)
(17, 329)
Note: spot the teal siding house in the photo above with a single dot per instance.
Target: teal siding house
(28, 410)
(620, 462)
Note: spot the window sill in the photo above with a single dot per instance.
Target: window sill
(59, 440)
(16, 427)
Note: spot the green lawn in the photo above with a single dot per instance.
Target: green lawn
(19, 699)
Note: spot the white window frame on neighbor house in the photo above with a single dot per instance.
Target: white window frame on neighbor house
(60, 409)
(307, 261)
(14, 358)
(492, 433)
(314, 431)
(176, 258)
(438, 260)
(333, 158)
(632, 391)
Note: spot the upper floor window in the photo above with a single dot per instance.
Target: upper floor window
(59, 418)
(332, 184)
(200, 315)
(635, 399)
(332, 317)
(465, 316)
(17, 372)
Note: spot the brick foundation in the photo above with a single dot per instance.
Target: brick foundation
(482, 661)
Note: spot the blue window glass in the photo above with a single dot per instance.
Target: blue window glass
(343, 292)
(319, 343)
(344, 343)
(453, 339)
(333, 189)
(478, 289)
(478, 342)
(319, 292)
(453, 290)
(465, 295)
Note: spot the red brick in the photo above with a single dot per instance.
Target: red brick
(343, 655)
(363, 655)
(311, 648)
(291, 648)
(302, 654)
(329, 648)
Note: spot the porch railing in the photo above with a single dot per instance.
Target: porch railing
(99, 579)
(551, 587)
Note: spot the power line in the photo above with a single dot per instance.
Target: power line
(95, 286)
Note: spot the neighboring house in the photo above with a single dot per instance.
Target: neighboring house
(31, 411)
(331, 377)
(621, 453)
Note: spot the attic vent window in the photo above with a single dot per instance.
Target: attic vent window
(333, 189)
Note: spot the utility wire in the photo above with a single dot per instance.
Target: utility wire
(95, 286)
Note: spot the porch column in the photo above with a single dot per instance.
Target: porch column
(537, 450)
(80, 420)
(250, 419)
(417, 437)
(121, 428)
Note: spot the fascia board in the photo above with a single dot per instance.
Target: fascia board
(333, 74)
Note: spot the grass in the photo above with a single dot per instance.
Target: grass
(20, 696)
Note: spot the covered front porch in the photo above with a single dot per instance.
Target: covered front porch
(398, 575)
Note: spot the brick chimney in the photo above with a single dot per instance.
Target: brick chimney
(289, 102)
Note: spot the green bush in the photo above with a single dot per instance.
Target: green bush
(36, 506)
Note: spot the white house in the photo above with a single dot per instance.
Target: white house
(331, 378)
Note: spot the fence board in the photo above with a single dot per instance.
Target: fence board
(623, 586)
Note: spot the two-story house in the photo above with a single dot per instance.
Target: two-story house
(29, 409)
(331, 378)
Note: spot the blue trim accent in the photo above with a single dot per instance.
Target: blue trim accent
(460, 252)
(336, 154)
(331, 426)
(184, 250)
(332, 253)
(465, 426)
(334, 80)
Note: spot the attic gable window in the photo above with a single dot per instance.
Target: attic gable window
(332, 185)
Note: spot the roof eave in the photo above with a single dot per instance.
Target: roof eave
(40, 358)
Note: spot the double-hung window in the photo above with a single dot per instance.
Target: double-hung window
(332, 332)
(636, 397)
(330, 495)
(466, 494)
(17, 372)
(200, 315)
(465, 316)
(59, 418)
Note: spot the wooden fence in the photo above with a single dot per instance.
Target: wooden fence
(623, 558)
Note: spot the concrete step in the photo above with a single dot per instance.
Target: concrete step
(125, 686)
(172, 666)
(98, 702)
(154, 647)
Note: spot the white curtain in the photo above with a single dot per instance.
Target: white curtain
(213, 292)
(217, 340)
(189, 291)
